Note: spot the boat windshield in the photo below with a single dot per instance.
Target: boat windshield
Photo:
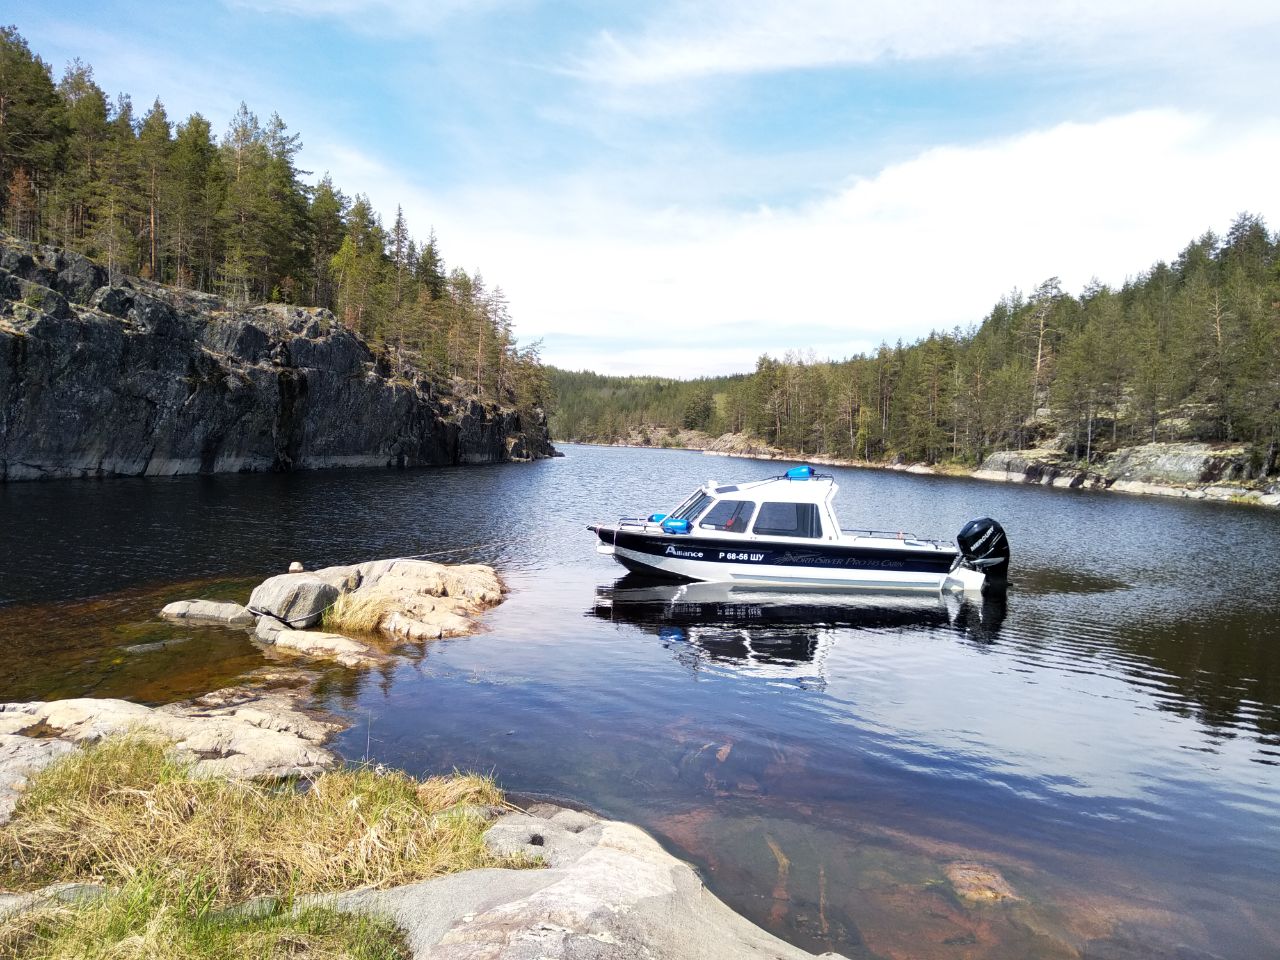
(731, 516)
(691, 507)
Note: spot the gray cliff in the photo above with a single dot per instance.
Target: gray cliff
(139, 379)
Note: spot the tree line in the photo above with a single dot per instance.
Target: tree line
(1188, 350)
(232, 215)
(597, 408)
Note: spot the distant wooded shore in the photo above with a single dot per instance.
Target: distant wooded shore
(1191, 471)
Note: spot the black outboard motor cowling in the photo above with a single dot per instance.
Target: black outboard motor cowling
(984, 547)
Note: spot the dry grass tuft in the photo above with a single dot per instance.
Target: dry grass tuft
(126, 808)
(360, 611)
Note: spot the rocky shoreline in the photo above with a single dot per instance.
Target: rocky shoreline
(124, 377)
(604, 889)
(1191, 471)
(399, 599)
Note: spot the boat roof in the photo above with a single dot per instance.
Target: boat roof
(797, 485)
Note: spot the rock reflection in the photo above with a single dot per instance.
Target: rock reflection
(781, 634)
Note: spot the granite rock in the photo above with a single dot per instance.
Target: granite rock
(296, 599)
(139, 379)
(419, 599)
(237, 732)
(609, 890)
(208, 611)
(326, 646)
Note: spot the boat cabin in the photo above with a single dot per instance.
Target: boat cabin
(797, 505)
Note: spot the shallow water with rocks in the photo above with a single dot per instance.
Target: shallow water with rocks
(1088, 767)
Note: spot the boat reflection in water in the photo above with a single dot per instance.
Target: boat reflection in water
(782, 634)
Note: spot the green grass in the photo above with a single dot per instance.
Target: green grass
(149, 919)
(179, 849)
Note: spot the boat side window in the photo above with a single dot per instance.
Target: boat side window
(731, 516)
(788, 520)
(691, 508)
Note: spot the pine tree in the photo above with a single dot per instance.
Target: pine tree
(327, 225)
(118, 224)
(154, 148)
(33, 134)
(198, 188)
(80, 194)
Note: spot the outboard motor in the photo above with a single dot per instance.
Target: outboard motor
(985, 548)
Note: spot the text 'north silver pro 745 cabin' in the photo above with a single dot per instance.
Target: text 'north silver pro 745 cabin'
(783, 532)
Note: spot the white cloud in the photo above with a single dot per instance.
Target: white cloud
(695, 38)
(925, 244)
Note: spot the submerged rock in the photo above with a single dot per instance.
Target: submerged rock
(609, 890)
(979, 883)
(213, 612)
(157, 646)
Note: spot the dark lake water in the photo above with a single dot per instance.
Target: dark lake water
(1106, 737)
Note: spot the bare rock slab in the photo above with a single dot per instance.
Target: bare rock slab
(609, 891)
(240, 732)
(418, 599)
(326, 646)
(20, 757)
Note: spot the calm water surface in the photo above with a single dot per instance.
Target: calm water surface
(1106, 737)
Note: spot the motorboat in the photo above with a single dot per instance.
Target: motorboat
(783, 531)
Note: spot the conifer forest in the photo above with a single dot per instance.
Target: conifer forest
(1188, 350)
(229, 212)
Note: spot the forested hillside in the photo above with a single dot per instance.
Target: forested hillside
(231, 214)
(1186, 350)
(594, 407)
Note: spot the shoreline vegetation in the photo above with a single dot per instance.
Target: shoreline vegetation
(140, 855)
(1183, 353)
(1191, 471)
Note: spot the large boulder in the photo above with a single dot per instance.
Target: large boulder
(297, 599)
(79, 278)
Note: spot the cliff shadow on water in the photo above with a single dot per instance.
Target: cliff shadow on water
(133, 378)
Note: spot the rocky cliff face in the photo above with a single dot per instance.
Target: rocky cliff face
(139, 379)
(1198, 471)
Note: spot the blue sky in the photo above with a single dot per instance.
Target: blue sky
(676, 187)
